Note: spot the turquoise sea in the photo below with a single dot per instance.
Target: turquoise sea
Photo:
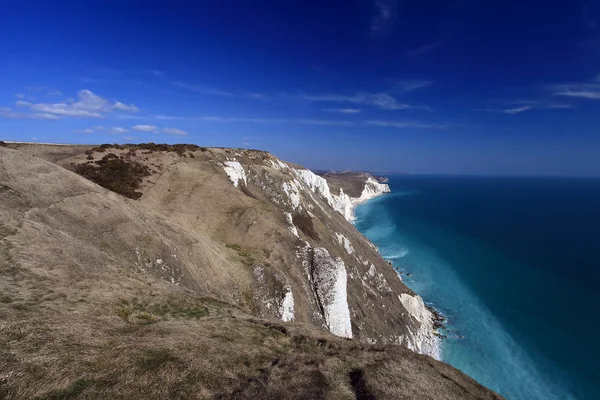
(514, 264)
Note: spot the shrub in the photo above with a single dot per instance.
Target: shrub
(112, 173)
(146, 317)
(124, 312)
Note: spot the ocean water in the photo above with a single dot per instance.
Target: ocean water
(514, 264)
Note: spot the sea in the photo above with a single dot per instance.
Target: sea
(514, 265)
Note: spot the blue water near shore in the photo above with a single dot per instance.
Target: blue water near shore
(514, 263)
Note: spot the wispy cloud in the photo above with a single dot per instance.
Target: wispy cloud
(165, 117)
(385, 18)
(327, 122)
(145, 128)
(155, 72)
(342, 110)
(421, 50)
(6, 112)
(517, 110)
(203, 89)
(511, 111)
(88, 105)
(19, 95)
(381, 100)
(174, 131)
(87, 130)
(402, 87)
(560, 106)
(584, 90)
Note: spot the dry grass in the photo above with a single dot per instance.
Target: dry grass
(224, 355)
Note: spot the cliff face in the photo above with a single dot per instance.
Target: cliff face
(289, 249)
(220, 281)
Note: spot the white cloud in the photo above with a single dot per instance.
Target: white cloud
(124, 107)
(144, 128)
(87, 130)
(118, 129)
(383, 21)
(173, 131)
(19, 95)
(342, 110)
(87, 105)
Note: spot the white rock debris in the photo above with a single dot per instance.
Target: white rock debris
(423, 339)
(286, 309)
(330, 279)
(291, 189)
(281, 164)
(290, 226)
(235, 172)
(343, 240)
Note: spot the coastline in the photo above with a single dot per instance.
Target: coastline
(428, 341)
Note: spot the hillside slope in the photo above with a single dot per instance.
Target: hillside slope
(101, 294)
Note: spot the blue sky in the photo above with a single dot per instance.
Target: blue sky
(409, 86)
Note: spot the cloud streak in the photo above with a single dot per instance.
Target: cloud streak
(402, 87)
(342, 110)
(586, 90)
(326, 122)
(380, 100)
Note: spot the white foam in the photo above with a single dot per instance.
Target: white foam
(400, 254)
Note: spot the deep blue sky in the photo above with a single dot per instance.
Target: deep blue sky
(484, 87)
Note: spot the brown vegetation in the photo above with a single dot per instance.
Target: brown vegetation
(120, 175)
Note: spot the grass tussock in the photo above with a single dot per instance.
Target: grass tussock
(246, 257)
